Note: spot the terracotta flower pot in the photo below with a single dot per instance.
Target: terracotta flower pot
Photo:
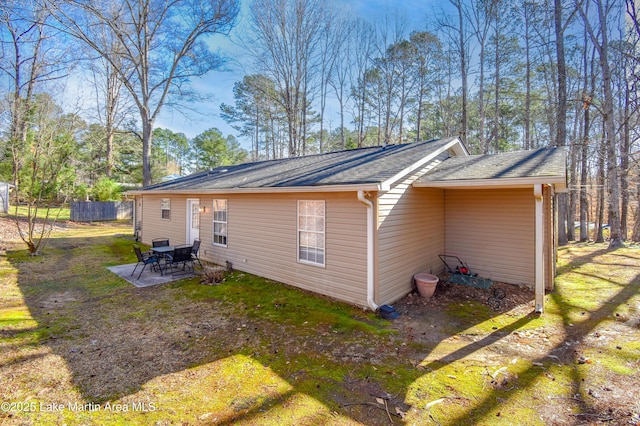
(426, 284)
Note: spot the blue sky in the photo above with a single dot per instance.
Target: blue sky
(219, 84)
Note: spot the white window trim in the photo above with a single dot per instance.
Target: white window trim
(214, 221)
(323, 233)
(162, 208)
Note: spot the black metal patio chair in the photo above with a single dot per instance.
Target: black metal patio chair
(145, 259)
(194, 252)
(181, 255)
(160, 242)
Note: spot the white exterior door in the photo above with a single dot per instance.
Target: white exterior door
(193, 220)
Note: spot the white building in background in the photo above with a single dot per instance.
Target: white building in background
(4, 196)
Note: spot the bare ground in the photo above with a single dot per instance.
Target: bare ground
(10, 232)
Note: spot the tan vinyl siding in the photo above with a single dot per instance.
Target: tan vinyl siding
(262, 240)
(410, 236)
(493, 231)
(154, 226)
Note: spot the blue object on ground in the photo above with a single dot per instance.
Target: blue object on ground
(388, 312)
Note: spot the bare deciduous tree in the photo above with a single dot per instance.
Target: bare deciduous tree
(363, 49)
(428, 53)
(481, 16)
(561, 22)
(29, 62)
(32, 59)
(285, 45)
(561, 112)
(344, 55)
(600, 39)
(459, 40)
(161, 44)
(48, 148)
(112, 106)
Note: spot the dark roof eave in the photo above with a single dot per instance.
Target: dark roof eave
(559, 182)
(370, 186)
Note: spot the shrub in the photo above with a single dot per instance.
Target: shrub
(106, 190)
(213, 276)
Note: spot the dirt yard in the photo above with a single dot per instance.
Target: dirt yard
(8, 232)
(213, 355)
(10, 235)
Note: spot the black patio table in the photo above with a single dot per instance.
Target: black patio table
(162, 251)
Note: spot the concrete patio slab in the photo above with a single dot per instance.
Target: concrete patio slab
(148, 277)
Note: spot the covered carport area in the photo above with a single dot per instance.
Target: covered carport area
(499, 213)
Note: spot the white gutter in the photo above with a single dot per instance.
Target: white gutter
(370, 259)
(539, 247)
(525, 182)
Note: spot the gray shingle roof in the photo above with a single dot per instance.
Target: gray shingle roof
(359, 166)
(540, 163)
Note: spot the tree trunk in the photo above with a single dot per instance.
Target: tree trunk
(599, 237)
(483, 113)
(572, 195)
(587, 95)
(613, 188)
(561, 114)
(147, 137)
(584, 203)
(419, 115)
(496, 107)
(463, 74)
(635, 237)
(624, 165)
(527, 101)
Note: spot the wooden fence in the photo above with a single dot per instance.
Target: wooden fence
(96, 211)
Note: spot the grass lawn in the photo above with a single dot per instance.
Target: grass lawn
(81, 346)
(57, 213)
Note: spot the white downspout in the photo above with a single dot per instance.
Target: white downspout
(539, 255)
(370, 259)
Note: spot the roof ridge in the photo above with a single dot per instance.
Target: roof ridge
(340, 151)
(519, 151)
(360, 165)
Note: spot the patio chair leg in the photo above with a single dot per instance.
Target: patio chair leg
(144, 266)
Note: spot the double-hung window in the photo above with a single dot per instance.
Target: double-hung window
(311, 228)
(165, 208)
(220, 222)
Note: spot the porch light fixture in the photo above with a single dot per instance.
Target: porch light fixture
(202, 209)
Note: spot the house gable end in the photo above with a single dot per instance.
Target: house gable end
(452, 146)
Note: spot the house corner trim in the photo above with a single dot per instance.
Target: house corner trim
(539, 248)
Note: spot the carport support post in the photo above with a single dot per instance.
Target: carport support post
(539, 267)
